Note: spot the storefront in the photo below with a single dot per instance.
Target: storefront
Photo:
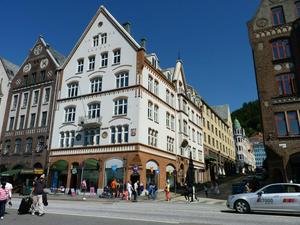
(58, 174)
(114, 169)
(90, 172)
(152, 173)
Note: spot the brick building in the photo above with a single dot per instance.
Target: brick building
(274, 37)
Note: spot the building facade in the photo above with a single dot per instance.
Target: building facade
(259, 149)
(119, 115)
(274, 37)
(28, 115)
(218, 142)
(244, 150)
(7, 72)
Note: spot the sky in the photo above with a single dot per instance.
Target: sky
(210, 37)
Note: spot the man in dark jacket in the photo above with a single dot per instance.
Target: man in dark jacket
(37, 192)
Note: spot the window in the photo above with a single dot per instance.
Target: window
(281, 124)
(42, 75)
(150, 83)
(172, 122)
(168, 120)
(184, 127)
(172, 100)
(15, 102)
(80, 64)
(156, 84)
(117, 56)
(35, 97)
(62, 139)
(122, 79)
(293, 123)
(70, 114)
(286, 84)
(18, 146)
(47, 95)
(25, 80)
(281, 49)
(6, 147)
(155, 114)
(185, 106)
(40, 144)
(193, 135)
(11, 123)
(33, 78)
(91, 62)
(170, 144)
(103, 38)
(120, 106)
(168, 96)
(104, 59)
(22, 120)
(44, 119)
(150, 110)
(277, 16)
(273, 189)
(94, 110)
(28, 148)
(72, 89)
(96, 85)
(152, 137)
(73, 138)
(298, 8)
(25, 100)
(119, 134)
(95, 41)
(32, 120)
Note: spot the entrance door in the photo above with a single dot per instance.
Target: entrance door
(134, 178)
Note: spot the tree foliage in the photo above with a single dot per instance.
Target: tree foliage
(249, 117)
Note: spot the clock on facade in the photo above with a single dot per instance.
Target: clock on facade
(104, 135)
(44, 63)
(38, 49)
(27, 68)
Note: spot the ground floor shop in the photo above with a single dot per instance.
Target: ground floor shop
(99, 169)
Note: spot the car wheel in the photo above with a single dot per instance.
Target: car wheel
(241, 206)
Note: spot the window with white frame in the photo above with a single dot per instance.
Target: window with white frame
(44, 119)
(25, 100)
(15, 102)
(62, 139)
(47, 95)
(119, 134)
(184, 126)
(17, 146)
(172, 122)
(120, 106)
(92, 62)
(35, 97)
(170, 144)
(193, 135)
(40, 144)
(96, 85)
(22, 121)
(150, 110)
(156, 87)
(122, 79)
(168, 120)
(96, 41)
(103, 38)
(152, 137)
(155, 113)
(117, 56)
(172, 100)
(70, 114)
(32, 120)
(185, 106)
(94, 110)
(73, 89)
(168, 96)
(80, 63)
(28, 148)
(104, 59)
(150, 83)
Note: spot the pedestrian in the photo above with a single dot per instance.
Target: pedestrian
(154, 191)
(186, 192)
(247, 188)
(129, 189)
(8, 188)
(113, 186)
(83, 186)
(205, 191)
(37, 192)
(3, 199)
(167, 190)
(217, 190)
(141, 189)
(135, 190)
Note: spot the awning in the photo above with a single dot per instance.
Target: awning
(10, 173)
(60, 165)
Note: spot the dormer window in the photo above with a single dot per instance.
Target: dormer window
(95, 41)
(103, 38)
(154, 62)
(278, 16)
(117, 56)
(80, 63)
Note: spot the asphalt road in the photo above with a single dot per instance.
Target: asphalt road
(145, 213)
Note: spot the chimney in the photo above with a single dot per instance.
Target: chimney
(143, 43)
(126, 26)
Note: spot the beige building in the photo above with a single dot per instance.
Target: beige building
(219, 148)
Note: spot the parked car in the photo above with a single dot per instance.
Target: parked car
(283, 197)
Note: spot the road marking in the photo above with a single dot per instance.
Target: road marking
(115, 217)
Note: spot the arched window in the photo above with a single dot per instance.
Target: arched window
(17, 146)
(73, 89)
(28, 145)
(7, 147)
(40, 144)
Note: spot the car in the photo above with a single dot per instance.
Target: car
(283, 197)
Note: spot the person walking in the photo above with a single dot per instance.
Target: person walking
(37, 192)
(8, 188)
(135, 190)
(167, 190)
(186, 192)
(205, 191)
(3, 199)
(129, 189)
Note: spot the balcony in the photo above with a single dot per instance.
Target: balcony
(87, 122)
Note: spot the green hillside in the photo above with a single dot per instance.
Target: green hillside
(249, 117)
